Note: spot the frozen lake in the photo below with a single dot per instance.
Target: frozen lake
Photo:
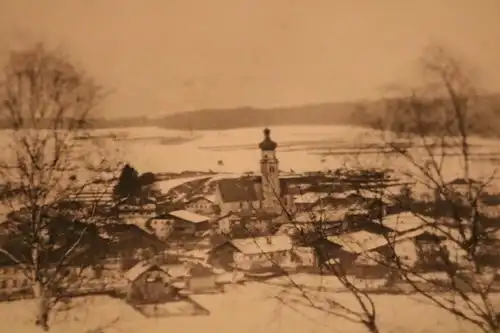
(300, 148)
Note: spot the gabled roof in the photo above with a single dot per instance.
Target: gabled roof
(266, 244)
(237, 190)
(140, 268)
(209, 198)
(188, 216)
(244, 189)
(359, 241)
(404, 221)
(364, 241)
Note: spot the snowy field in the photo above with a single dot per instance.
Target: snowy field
(300, 148)
(244, 309)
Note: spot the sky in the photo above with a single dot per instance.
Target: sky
(164, 56)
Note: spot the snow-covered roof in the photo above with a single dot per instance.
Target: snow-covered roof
(364, 241)
(141, 222)
(210, 197)
(267, 244)
(165, 186)
(223, 176)
(318, 216)
(309, 197)
(404, 221)
(188, 216)
(359, 241)
(140, 268)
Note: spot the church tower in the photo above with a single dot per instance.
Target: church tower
(271, 191)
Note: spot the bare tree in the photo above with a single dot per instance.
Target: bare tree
(49, 160)
(428, 134)
(428, 137)
(358, 308)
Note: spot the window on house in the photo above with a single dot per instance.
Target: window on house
(271, 169)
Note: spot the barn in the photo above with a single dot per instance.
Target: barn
(149, 284)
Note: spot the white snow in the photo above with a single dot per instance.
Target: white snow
(189, 216)
(166, 185)
(253, 307)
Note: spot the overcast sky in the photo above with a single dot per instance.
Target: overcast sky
(163, 56)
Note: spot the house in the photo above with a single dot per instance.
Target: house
(149, 284)
(201, 279)
(203, 205)
(129, 244)
(266, 192)
(372, 253)
(13, 280)
(321, 253)
(254, 253)
(305, 201)
(328, 220)
(246, 223)
(306, 256)
(187, 223)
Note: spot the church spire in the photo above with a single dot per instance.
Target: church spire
(267, 144)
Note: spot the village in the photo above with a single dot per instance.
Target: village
(203, 233)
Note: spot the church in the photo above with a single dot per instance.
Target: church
(266, 193)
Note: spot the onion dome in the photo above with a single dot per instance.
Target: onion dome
(267, 144)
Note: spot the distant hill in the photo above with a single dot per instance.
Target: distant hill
(314, 114)
(358, 113)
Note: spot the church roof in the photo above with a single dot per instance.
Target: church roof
(237, 190)
(244, 189)
(267, 144)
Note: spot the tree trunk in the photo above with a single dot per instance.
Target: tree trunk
(42, 305)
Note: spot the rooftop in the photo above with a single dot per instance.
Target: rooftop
(404, 221)
(359, 241)
(266, 244)
(188, 216)
(140, 268)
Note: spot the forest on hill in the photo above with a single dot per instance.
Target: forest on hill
(356, 113)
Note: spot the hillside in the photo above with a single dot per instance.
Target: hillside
(358, 113)
(315, 114)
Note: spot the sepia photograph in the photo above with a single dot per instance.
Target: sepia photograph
(250, 166)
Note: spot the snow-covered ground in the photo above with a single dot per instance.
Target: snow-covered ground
(245, 309)
(301, 148)
(250, 308)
